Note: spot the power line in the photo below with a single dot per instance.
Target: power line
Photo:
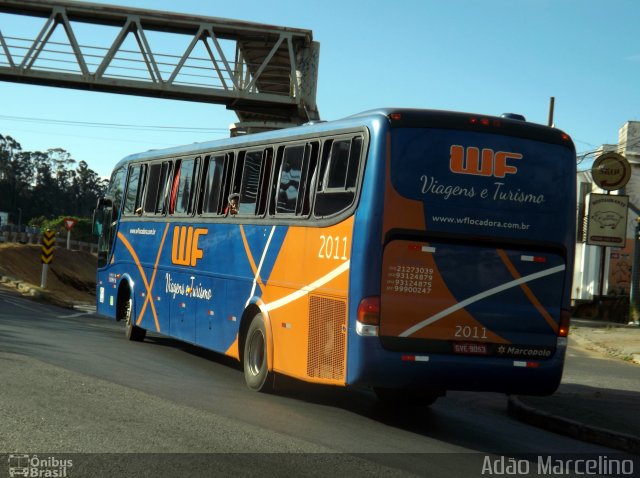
(134, 127)
(618, 146)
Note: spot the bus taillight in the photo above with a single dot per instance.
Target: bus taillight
(368, 316)
(565, 319)
(482, 121)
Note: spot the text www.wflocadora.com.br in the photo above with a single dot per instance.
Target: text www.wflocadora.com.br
(472, 221)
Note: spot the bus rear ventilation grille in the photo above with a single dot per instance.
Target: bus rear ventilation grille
(327, 338)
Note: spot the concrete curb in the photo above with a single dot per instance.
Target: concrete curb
(572, 428)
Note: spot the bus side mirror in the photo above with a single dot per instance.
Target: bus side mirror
(97, 226)
(96, 223)
(98, 215)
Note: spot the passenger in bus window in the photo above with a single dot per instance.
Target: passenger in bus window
(174, 192)
(232, 207)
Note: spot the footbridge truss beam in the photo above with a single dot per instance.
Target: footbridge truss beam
(266, 74)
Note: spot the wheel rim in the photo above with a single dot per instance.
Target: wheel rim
(256, 353)
(128, 314)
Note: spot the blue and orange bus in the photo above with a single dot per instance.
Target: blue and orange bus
(407, 251)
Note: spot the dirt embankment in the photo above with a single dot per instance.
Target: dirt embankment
(71, 277)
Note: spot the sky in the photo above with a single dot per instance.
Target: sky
(481, 56)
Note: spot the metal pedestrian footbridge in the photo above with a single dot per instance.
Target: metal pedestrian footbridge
(266, 74)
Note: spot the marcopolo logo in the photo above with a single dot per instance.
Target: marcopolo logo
(481, 163)
(185, 250)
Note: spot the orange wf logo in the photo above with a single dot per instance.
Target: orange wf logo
(487, 163)
(185, 250)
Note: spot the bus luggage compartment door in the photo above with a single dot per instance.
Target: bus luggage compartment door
(468, 299)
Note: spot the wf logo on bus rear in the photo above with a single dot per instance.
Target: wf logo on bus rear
(485, 163)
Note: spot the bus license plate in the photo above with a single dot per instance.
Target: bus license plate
(470, 348)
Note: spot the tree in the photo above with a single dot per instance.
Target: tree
(14, 174)
(46, 184)
(87, 188)
(45, 189)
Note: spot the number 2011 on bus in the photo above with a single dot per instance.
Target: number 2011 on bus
(333, 247)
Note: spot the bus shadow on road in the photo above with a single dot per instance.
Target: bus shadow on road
(193, 350)
(430, 421)
(359, 401)
(355, 400)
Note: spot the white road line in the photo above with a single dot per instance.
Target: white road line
(79, 314)
(20, 303)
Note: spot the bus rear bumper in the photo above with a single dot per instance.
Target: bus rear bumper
(423, 371)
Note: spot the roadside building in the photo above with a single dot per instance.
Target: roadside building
(617, 260)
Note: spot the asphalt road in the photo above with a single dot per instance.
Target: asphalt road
(71, 384)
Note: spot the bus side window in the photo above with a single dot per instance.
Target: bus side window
(236, 176)
(165, 187)
(265, 178)
(183, 193)
(213, 184)
(354, 164)
(289, 182)
(135, 187)
(227, 186)
(175, 183)
(295, 179)
(116, 188)
(156, 188)
(249, 182)
(339, 176)
(310, 178)
(273, 193)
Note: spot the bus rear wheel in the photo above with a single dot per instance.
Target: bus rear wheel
(256, 369)
(132, 331)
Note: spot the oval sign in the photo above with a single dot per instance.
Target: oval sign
(611, 171)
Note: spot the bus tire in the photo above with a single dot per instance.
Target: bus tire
(407, 397)
(132, 331)
(256, 369)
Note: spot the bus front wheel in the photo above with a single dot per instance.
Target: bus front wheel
(256, 369)
(132, 331)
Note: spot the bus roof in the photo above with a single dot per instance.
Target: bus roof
(398, 117)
